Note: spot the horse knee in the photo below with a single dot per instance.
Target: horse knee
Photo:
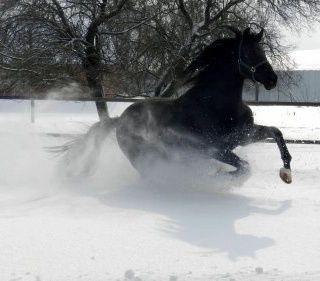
(276, 132)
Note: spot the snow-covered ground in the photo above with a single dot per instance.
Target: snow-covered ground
(112, 225)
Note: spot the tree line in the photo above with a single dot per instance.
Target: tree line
(129, 47)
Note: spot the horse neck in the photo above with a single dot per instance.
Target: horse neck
(219, 85)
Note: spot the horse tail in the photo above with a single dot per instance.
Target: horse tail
(84, 149)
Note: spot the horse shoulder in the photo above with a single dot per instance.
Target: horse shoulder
(246, 114)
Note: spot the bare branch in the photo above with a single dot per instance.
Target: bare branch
(186, 14)
(19, 69)
(227, 7)
(207, 13)
(128, 29)
(9, 56)
(116, 11)
(63, 18)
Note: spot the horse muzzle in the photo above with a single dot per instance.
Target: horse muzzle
(271, 81)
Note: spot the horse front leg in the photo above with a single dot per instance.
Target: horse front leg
(260, 133)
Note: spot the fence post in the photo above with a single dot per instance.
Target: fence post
(256, 91)
(32, 111)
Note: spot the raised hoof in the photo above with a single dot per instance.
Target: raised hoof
(285, 175)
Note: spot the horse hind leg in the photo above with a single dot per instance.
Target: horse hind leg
(146, 159)
(142, 155)
(228, 157)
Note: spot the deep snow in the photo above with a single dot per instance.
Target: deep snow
(112, 225)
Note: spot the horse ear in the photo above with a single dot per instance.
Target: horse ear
(258, 36)
(246, 33)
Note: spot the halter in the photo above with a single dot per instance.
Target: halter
(252, 69)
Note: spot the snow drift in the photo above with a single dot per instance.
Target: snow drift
(189, 225)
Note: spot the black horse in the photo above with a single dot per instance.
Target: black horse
(210, 118)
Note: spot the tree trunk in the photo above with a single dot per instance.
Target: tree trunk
(174, 76)
(92, 66)
(96, 89)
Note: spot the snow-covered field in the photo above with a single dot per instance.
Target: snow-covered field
(112, 225)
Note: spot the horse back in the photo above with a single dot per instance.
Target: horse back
(150, 113)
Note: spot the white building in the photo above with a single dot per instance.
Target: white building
(307, 75)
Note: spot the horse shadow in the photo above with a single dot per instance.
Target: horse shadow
(195, 202)
(202, 218)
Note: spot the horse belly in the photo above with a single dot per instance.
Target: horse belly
(155, 133)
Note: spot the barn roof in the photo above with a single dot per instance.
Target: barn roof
(306, 59)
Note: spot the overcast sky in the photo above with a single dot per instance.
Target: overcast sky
(306, 40)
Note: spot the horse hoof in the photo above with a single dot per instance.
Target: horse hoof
(243, 170)
(285, 175)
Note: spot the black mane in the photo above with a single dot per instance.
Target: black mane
(211, 56)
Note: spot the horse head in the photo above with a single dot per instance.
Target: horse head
(248, 55)
(252, 60)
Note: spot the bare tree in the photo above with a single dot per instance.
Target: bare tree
(154, 55)
(131, 47)
(203, 21)
(58, 34)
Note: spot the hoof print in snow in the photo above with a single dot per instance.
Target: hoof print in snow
(129, 274)
(259, 270)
